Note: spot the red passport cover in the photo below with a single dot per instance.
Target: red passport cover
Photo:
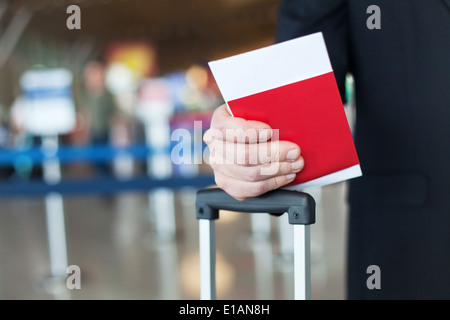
(291, 86)
(309, 113)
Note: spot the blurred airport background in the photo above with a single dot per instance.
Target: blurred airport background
(94, 102)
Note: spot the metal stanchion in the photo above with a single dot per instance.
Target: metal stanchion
(56, 230)
(154, 109)
(263, 257)
(261, 226)
(159, 166)
(261, 246)
(168, 271)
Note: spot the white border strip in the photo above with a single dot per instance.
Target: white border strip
(271, 67)
(339, 176)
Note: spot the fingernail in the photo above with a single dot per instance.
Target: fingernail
(297, 165)
(292, 154)
(265, 134)
(290, 177)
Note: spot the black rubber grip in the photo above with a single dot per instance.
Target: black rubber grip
(300, 206)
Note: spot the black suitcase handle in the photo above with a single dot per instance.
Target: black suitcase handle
(300, 206)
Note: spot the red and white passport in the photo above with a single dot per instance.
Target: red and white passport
(291, 86)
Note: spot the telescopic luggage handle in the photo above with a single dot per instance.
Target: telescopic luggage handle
(300, 207)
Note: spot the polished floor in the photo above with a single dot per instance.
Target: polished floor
(115, 243)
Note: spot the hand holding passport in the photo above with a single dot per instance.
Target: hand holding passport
(289, 87)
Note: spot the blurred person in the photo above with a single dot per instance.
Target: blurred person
(99, 106)
(98, 101)
(201, 91)
(400, 208)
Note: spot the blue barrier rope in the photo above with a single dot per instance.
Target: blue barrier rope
(99, 186)
(94, 185)
(91, 153)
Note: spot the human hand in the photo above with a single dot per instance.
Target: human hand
(246, 156)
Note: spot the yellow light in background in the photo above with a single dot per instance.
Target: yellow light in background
(190, 275)
(197, 77)
(139, 57)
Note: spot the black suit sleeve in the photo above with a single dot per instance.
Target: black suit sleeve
(302, 17)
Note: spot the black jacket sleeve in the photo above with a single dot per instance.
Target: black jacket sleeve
(302, 17)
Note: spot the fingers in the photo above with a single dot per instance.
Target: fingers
(258, 172)
(242, 190)
(226, 152)
(247, 158)
(225, 127)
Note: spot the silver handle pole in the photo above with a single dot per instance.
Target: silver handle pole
(302, 262)
(207, 260)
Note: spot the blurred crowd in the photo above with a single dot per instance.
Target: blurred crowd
(115, 96)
